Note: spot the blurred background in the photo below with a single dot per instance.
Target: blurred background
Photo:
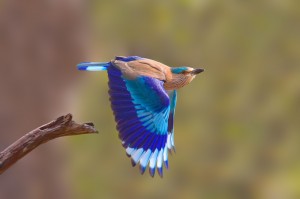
(237, 128)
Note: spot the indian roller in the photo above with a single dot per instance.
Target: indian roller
(143, 95)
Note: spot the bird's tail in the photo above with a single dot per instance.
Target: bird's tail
(93, 66)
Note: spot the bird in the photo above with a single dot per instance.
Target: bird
(143, 96)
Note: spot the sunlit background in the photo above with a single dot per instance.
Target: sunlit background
(237, 125)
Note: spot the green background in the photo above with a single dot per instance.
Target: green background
(237, 124)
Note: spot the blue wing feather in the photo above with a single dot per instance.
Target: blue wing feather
(100, 66)
(170, 137)
(127, 59)
(141, 108)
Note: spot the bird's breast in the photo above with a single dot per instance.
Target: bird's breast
(177, 81)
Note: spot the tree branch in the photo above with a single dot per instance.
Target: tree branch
(62, 126)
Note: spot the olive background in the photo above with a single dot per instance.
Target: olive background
(237, 125)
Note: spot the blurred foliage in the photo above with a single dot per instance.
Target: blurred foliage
(237, 124)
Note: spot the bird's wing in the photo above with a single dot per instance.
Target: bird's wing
(141, 107)
(170, 138)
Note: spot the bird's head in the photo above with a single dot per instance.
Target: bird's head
(186, 71)
(182, 76)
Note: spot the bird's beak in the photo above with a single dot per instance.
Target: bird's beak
(197, 71)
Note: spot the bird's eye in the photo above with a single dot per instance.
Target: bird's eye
(184, 72)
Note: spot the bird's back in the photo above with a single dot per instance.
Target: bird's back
(142, 67)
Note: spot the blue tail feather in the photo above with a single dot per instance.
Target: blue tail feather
(93, 66)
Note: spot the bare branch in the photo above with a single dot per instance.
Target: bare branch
(62, 126)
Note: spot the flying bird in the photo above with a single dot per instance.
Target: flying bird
(143, 99)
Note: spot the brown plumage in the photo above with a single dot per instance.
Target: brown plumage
(155, 69)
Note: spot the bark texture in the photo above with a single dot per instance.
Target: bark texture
(62, 126)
